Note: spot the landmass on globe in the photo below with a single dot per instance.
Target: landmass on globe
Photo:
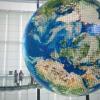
(66, 83)
(62, 46)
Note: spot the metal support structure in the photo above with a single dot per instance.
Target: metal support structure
(38, 90)
(37, 3)
(38, 94)
(87, 97)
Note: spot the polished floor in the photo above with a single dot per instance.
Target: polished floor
(30, 94)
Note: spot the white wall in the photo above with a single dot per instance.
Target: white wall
(13, 18)
(20, 6)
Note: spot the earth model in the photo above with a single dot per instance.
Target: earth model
(62, 46)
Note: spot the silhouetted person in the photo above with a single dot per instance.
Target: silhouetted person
(32, 80)
(21, 75)
(16, 77)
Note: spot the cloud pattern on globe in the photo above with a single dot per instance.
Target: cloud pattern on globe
(62, 46)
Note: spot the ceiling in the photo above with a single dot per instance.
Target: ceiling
(28, 1)
(23, 0)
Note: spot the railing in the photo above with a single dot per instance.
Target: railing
(7, 83)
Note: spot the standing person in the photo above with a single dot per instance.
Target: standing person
(21, 75)
(16, 77)
(32, 80)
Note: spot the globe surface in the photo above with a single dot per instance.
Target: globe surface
(62, 46)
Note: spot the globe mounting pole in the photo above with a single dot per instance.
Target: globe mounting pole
(87, 97)
(38, 90)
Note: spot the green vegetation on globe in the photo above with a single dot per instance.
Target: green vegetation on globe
(62, 46)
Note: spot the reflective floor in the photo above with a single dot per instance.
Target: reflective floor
(30, 94)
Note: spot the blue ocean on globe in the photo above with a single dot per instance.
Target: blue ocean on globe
(61, 46)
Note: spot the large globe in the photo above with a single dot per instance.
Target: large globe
(62, 46)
